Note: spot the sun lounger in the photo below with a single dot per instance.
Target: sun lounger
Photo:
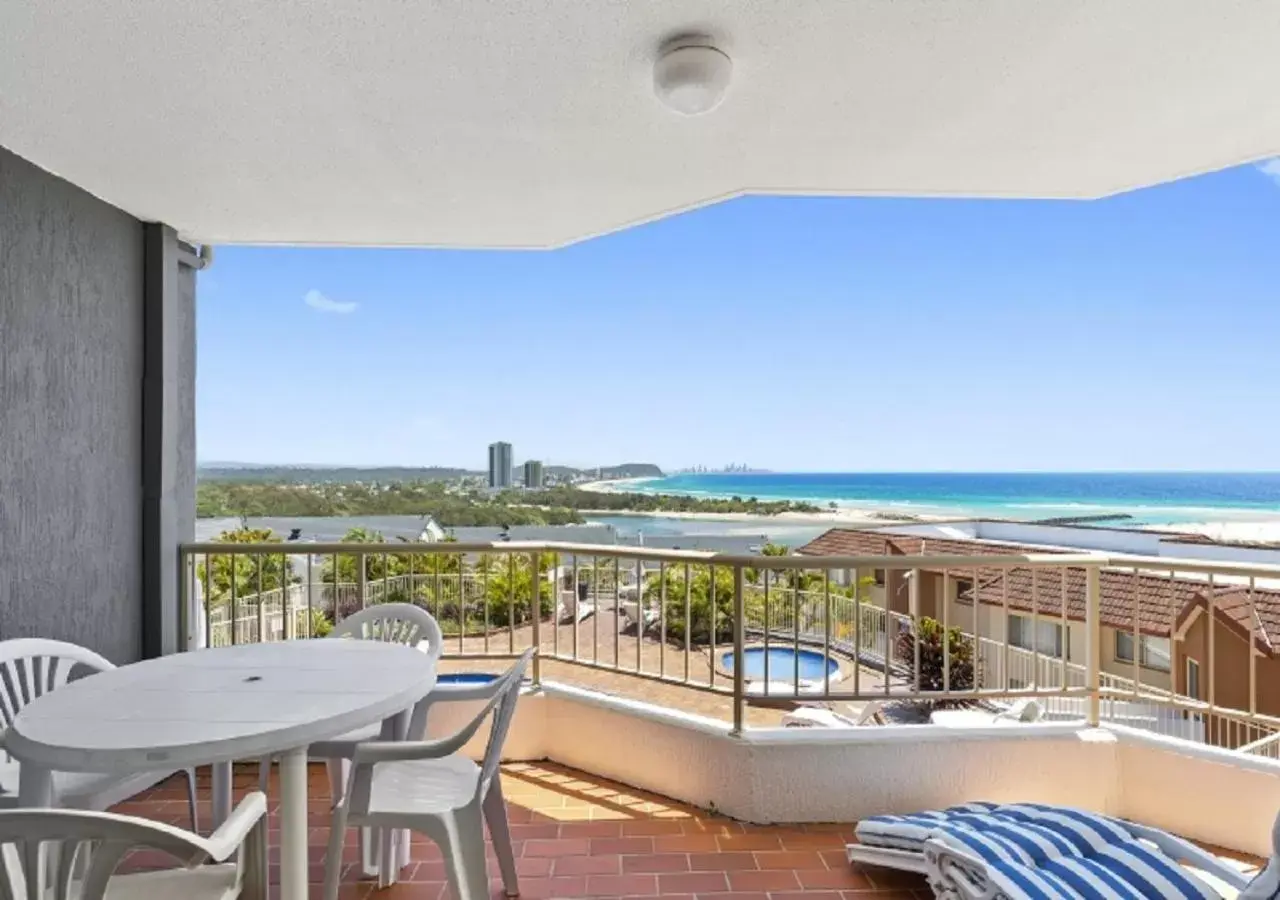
(632, 612)
(986, 851)
(815, 716)
(574, 611)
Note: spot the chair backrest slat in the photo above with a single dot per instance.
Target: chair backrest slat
(503, 713)
(69, 833)
(393, 623)
(33, 667)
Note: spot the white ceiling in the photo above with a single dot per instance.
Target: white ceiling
(533, 122)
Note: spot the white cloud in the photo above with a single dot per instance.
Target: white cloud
(1271, 168)
(320, 302)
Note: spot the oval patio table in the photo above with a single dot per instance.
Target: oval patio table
(217, 706)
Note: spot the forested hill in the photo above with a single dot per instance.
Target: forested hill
(393, 474)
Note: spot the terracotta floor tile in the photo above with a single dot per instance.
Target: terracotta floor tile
(595, 829)
(650, 827)
(576, 835)
(656, 862)
(789, 859)
(686, 843)
(535, 866)
(552, 888)
(750, 842)
(692, 883)
(716, 826)
(722, 862)
(835, 859)
(812, 840)
(588, 865)
(557, 847)
(621, 885)
(842, 879)
(884, 879)
(620, 846)
(763, 881)
(837, 827)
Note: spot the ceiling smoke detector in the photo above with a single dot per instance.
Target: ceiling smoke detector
(691, 75)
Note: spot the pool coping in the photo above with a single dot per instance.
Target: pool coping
(806, 686)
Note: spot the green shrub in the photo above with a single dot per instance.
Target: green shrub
(710, 607)
(320, 624)
(932, 660)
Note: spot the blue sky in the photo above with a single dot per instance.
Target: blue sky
(858, 334)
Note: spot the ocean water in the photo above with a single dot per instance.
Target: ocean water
(1148, 498)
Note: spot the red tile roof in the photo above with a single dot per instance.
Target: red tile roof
(1161, 601)
(850, 542)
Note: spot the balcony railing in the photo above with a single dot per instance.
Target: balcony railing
(689, 620)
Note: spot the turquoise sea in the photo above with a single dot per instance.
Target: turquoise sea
(1147, 498)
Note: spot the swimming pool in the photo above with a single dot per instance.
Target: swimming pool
(465, 678)
(782, 664)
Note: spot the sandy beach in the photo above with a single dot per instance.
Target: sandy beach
(841, 515)
(1259, 532)
(1238, 528)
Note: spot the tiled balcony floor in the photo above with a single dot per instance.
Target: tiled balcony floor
(578, 835)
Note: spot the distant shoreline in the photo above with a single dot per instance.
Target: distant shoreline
(841, 515)
(831, 517)
(1238, 523)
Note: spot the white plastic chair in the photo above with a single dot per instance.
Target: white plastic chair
(430, 787)
(94, 843)
(393, 623)
(33, 667)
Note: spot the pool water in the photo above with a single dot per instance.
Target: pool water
(782, 663)
(466, 678)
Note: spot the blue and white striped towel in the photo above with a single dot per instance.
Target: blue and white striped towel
(1120, 869)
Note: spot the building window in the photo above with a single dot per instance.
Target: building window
(1153, 652)
(1193, 679)
(1047, 638)
(963, 586)
(879, 575)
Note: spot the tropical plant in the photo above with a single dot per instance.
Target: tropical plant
(710, 604)
(249, 573)
(509, 589)
(932, 639)
(313, 623)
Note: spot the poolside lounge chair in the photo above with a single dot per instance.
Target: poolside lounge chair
(1031, 850)
(632, 612)
(1021, 713)
(1024, 710)
(816, 716)
(573, 610)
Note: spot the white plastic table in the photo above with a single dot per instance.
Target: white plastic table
(216, 706)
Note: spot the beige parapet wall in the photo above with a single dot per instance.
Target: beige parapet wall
(842, 775)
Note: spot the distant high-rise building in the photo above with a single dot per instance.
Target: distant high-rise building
(500, 465)
(533, 474)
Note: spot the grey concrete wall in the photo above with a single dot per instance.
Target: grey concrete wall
(71, 357)
(183, 442)
(168, 428)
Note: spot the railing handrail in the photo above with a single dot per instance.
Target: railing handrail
(1154, 564)
(414, 548)
(1255, 746)
(811, 611)
(1161, 565)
